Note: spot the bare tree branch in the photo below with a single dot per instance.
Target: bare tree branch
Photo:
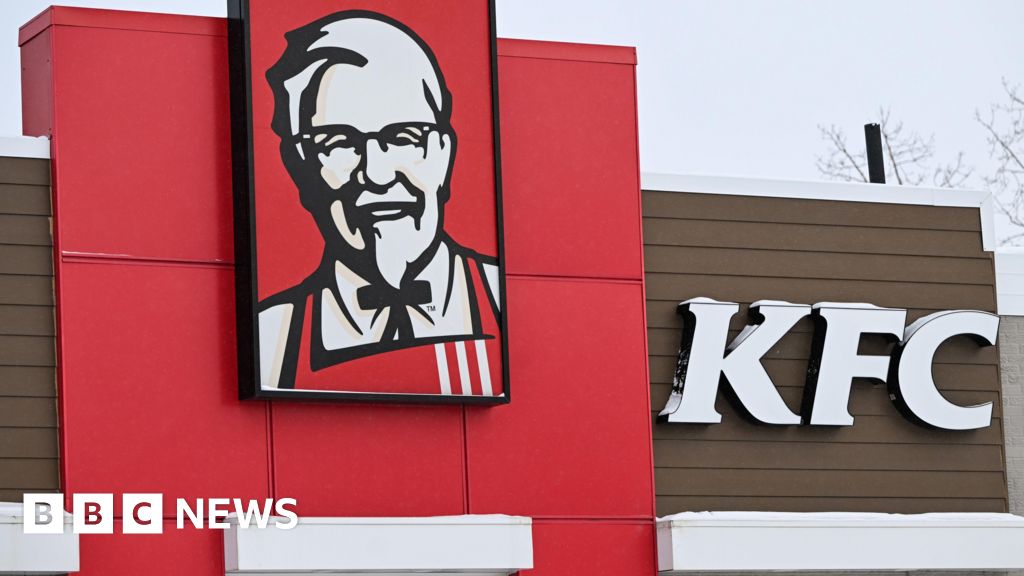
(1004, 142)
(910, 158)
(1004, 127)
(841, 164)
(955, 175)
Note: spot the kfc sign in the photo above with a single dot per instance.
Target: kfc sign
(705, 362)
(367, 196)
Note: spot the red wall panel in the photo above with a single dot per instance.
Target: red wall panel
(570, 166)
(149, 394)
(146, 315)
(369, 460)
(574, 436)
(37, 87)
(173, 553)
(143, 143)
(593, 549)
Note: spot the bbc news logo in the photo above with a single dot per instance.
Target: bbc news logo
(144, 513)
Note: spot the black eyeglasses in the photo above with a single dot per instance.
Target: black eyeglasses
(324, 139)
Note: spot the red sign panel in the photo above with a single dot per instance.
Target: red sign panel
(367, 200)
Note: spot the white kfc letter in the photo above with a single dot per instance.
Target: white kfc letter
(911, 385)
(834, 359)
(704, 360)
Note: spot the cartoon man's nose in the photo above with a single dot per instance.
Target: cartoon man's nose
(379, 169)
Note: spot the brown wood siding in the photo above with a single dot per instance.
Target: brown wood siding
(28, 403)
(742, 249)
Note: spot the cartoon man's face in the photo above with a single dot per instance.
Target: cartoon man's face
(363, 119)
(377, 143)
(375, 147)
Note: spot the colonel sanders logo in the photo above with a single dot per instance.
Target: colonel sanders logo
(363, 114)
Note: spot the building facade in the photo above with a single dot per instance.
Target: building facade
(120, 353)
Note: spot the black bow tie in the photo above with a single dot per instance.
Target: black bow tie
(380, 296)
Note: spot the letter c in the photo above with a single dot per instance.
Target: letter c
(911, 385)
(135, 514)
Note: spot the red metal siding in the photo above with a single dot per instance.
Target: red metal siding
(369, 460)
(569, 160)
(570, 443)
(145, 310)
(175, 552)
(143, 144)
(149, 388)
(593, 549)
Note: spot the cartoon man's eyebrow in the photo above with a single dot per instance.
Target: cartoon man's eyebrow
(338, 55)
(435, 107)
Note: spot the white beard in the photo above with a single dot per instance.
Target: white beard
(399, 243)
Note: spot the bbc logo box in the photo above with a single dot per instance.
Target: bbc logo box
(143, 513)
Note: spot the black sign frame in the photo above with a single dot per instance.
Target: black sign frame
(243, 184)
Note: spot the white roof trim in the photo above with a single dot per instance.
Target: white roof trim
(479, 545)
(837, 191)
(24, 147)
(1010, 281)
(764, 541)
(34, 553)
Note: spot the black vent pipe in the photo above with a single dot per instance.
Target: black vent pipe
(876, 162)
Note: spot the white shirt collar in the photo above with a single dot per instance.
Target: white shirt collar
(345, 324)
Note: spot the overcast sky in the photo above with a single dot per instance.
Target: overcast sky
(740, 87)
